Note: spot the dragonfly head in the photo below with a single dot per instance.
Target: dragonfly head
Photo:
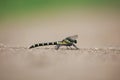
(75, 41)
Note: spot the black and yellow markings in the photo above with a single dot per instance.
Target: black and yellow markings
(50, 43)
(36, 45)
(55, 43)
(45, 44)
(40, 44)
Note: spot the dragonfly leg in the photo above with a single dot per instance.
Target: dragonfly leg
(70, 47)
(75, 46)
(57, 47)
(67, 47)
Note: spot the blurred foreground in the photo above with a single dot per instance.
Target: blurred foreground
(48, 64)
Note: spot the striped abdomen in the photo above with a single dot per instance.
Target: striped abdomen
(43, 44)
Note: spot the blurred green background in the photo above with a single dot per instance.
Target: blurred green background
(13, 8)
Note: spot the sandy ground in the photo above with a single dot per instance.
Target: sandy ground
(97, 59)
(49, 64)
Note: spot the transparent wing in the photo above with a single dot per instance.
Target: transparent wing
(74, 37)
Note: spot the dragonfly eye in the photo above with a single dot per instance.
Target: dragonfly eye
(75, 41)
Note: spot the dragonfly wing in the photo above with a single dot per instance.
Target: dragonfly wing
(74, 37)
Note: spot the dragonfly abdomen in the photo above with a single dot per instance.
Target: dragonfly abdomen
(43, 44)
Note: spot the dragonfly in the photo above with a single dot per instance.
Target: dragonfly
(68, 42)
